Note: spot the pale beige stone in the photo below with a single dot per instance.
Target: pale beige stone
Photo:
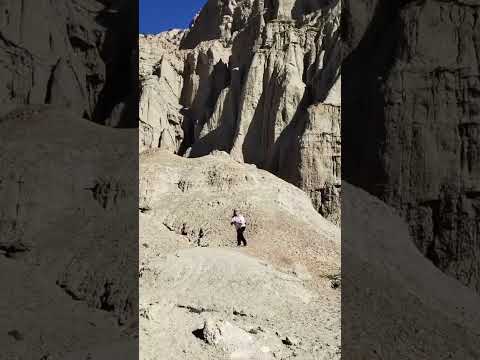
(252, 80)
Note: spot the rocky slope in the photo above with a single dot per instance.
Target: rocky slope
(195, 197)
(202, 297)
(257, 79)
(217, 304)
(192, 272)
(69, 271)
(395, 303)
(419, 144)
(75, 54)
(64, 259)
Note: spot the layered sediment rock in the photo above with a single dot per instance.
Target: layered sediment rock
(412, 119)
(259, 80)
(70, 54)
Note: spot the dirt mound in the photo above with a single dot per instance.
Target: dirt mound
(209, 301)
(62, 251)
(400, 305)
(193, 199)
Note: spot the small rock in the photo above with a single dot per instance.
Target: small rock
(335, 283)
(256, 330)
(16, 335)
(239, 312)
(228, 336)
(290, 341)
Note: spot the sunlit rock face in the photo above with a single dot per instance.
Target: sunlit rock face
(258, 79)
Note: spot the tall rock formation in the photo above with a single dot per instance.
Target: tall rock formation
(68, 186)
(70, 54)
(412, 119)
(258, 79)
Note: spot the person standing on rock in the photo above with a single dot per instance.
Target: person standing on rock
(240, 224)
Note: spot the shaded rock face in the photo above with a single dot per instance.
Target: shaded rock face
(258, 79)
(70, 268)
(388, 287)
(63, 254)
(418, 101)
(70, 54)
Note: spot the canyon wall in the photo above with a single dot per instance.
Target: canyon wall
(70, 54)
(258, 79)
(412, 117)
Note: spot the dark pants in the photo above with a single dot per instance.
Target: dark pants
(240, 237)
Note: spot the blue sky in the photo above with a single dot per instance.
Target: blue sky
(161, 15)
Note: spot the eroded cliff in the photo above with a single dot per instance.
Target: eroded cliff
(70, 54)
(258, 79)
(412, 117)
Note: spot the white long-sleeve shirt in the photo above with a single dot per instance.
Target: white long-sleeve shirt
(239, 221)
